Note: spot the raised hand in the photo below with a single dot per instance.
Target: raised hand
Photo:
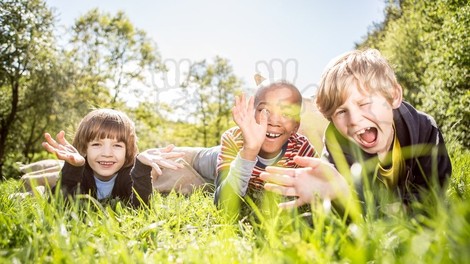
(254, 133)
(63, 149)
(317, 179)
(158, 158)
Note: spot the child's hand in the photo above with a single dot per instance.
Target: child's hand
(317, 179)
(161, 157)
(254, 133)
(63, 149)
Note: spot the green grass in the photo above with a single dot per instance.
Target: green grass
(177, 229)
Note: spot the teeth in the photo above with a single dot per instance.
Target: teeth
(106, 163)
(360, 132)
(272, 135)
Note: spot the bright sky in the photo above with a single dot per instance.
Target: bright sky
(292, 40)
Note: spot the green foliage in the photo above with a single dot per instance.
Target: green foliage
(28, 69)
(111, 55)
(427, 43)
(209, 91)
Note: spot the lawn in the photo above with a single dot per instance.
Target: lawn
(178, 229)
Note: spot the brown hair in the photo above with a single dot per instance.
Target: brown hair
(107, 123)
(368, 69)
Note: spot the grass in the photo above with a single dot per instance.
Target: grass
(178, 229)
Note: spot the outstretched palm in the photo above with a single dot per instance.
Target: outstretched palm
(63, 149)
(254, 133)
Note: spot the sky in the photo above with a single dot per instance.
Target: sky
(292, 40)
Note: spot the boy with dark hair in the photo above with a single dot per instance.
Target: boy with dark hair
(266, 135)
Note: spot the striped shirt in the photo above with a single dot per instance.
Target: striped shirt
(232, 142)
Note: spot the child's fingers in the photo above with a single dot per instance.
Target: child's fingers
(291, 204)
(169, 164)
(307, 161)
(280, 170)
(242, 101)
(61, 138)
(279, 189)
(156, 168)
(251, 102)
(168, 148)
(48, 147)
(172, 155)
(50, 141)
(280, 179)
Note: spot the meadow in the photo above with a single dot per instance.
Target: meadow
(179, 229)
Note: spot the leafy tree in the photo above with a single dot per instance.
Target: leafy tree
(428, 45)
(112, 56)
(208, 95)
(27, 66)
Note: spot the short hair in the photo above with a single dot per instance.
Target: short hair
(107, 123)
(277, 85)
(368, 69)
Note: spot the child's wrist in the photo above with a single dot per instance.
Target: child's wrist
(249, 153)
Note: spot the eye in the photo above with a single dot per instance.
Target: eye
(95, 144)
(340, 112)
(120, 145)
(262, 108)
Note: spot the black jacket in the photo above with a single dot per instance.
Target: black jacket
(80, 180)
(427, 161)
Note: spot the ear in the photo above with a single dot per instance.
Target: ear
(397, 97)
(296, 128)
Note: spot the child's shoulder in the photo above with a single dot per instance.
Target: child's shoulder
(233, 133)
(414, 126)
(413, 116)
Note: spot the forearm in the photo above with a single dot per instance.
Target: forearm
(141, 183)
(70, 177)
(237, 179)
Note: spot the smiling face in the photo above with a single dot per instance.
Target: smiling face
(366, 119)
(106, 157)
(283, 107)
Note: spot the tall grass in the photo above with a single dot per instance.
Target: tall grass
(178, 229)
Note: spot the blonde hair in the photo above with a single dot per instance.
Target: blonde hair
(367, 69)
(107, 123)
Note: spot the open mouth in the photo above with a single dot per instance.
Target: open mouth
(272, 135)
(367, 135)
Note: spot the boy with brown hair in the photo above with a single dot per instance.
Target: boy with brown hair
(400, 148)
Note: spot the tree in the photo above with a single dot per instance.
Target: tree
(428, 45)
(207, 96)
(112, 56)
(26, 62)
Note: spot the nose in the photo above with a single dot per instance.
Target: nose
(107, 150)
(274, 118)
(355, 116)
